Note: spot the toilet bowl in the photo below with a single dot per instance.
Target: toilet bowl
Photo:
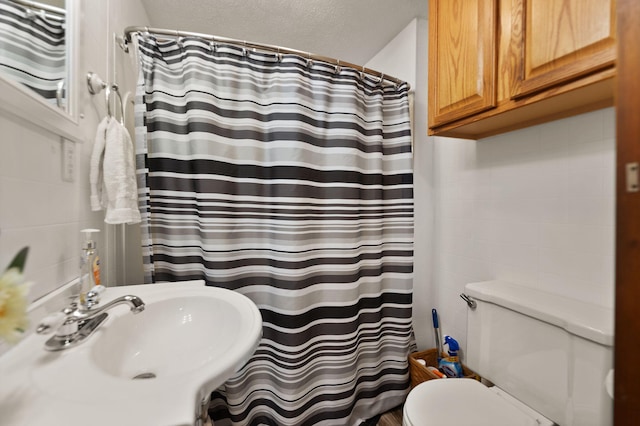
(548, 356)
(466, 402)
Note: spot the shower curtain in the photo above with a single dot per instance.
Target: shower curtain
(289, 181)
(32, 49)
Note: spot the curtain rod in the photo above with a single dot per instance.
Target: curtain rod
(242, 43)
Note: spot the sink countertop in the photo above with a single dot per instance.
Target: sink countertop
(66, 387)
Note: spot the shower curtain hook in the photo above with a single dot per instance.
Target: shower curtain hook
(179, 38)
(309, 60)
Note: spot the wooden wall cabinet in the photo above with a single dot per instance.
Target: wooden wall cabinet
(499, 65)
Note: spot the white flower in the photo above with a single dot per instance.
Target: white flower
(13, 305)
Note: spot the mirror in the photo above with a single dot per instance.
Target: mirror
(33, 49)
(37, 62)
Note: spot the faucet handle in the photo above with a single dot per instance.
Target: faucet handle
(51, 322)
(92, 297)
(68, 327)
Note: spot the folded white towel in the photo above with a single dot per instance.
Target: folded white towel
(113, 175)
(96, 179)
(120, 176)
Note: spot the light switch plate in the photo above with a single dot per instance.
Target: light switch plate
(68, 160)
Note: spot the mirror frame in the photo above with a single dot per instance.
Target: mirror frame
(21, 102)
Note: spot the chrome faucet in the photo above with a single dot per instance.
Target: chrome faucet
(78, 321)
(87, 311)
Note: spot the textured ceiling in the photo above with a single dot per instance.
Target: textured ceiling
(349, 30)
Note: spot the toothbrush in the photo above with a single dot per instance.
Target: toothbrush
(436, 329)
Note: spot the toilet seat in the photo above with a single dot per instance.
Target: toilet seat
(465, 402)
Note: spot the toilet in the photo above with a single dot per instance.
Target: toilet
(548, 357)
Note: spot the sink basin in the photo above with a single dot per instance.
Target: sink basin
(150, 368)
(170, 337)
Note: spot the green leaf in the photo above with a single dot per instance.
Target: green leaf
(20, 259)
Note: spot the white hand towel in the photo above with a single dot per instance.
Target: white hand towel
(120, 176)
(96, 178)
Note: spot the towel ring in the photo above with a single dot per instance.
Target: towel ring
(107, 92)
(95, 85)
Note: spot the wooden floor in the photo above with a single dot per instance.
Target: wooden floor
(391, 418)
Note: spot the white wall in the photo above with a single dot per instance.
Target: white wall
(405, 57)
(535, 206)
(37, 208)
(399, 57)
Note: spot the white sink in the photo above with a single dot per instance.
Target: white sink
(151, 368)
(173, 336)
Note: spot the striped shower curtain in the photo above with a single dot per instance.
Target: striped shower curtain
(289, 181)
(32, 49)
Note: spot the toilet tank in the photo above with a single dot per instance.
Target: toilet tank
(550, 352)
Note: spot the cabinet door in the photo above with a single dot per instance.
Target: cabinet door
(562, 40)
(462, 58)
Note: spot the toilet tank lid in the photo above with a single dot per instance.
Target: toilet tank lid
(582, 319)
